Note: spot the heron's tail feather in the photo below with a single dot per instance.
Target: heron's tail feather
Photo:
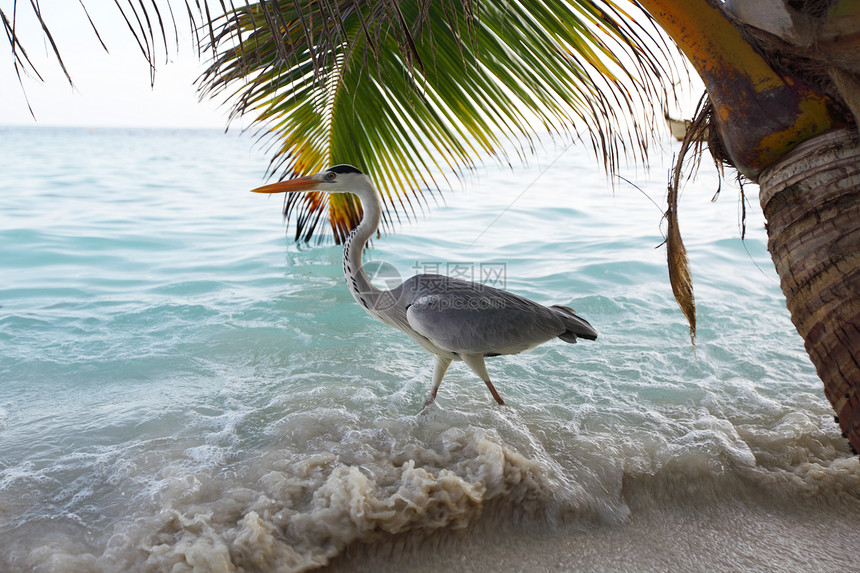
(576, 327)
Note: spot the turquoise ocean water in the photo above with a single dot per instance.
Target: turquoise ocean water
(184, 388)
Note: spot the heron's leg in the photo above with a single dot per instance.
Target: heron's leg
(439, 369)
(476, 363)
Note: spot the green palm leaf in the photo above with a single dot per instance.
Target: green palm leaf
(405, 90)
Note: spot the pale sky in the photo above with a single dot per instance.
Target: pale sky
(110, 89)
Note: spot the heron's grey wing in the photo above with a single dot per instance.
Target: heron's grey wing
(470, 318)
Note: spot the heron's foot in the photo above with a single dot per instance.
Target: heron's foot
(431, 399)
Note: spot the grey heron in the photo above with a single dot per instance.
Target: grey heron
(452, 318)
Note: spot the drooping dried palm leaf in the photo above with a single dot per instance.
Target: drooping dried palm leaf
(680, 276)
(698, 133)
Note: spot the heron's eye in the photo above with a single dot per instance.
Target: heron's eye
(330, 176)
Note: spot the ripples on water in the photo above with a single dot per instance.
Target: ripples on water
(183, 387)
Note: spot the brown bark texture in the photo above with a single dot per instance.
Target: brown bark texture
(811, 201)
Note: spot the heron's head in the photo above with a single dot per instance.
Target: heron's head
(337, 179)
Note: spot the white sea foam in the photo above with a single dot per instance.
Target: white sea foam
(292, 510)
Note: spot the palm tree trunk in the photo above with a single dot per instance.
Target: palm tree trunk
(811, 201)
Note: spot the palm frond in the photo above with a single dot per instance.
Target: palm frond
(407, 90)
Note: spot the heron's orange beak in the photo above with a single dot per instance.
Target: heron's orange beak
(290, 185)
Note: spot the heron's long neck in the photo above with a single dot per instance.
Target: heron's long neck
(362, 289)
